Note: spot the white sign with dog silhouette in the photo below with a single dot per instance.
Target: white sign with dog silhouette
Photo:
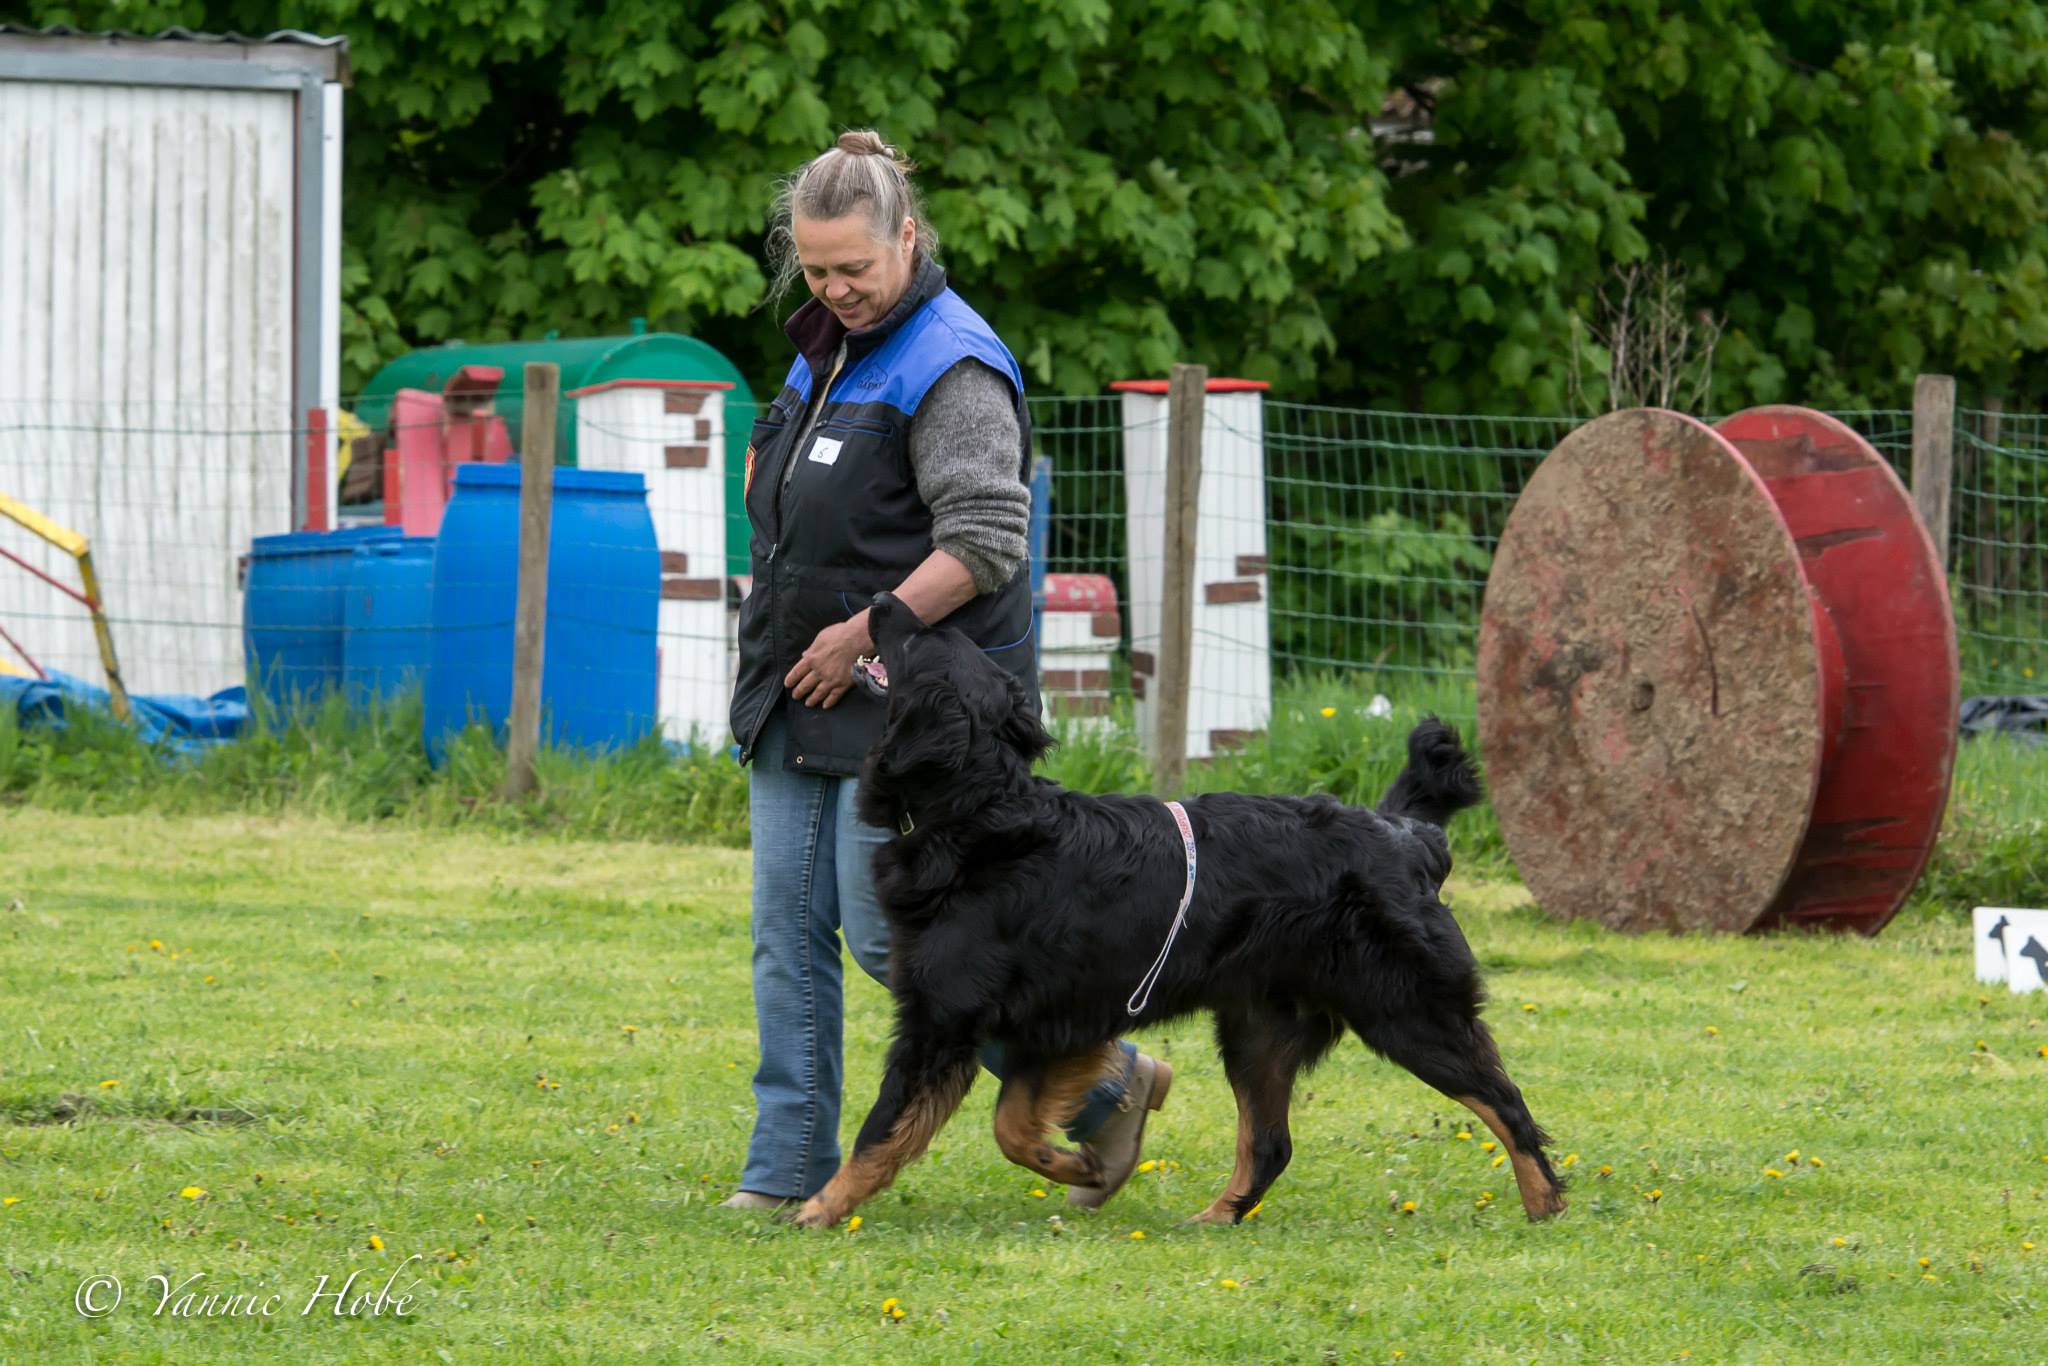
(2011, 946)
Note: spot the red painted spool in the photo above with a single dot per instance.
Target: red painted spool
(1717, 676)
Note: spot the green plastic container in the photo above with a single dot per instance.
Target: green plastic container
(583, 362)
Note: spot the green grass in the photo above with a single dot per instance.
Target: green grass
(343, 1031)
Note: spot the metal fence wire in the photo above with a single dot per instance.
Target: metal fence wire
(1378, 528)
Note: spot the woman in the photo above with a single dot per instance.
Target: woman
(895, 458)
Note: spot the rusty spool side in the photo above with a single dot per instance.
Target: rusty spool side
(1666, 698)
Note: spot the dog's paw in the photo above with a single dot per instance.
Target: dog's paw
(814, 1214)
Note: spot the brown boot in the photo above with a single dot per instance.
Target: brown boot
(1117, 1143)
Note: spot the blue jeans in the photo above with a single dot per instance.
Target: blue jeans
(813, 880)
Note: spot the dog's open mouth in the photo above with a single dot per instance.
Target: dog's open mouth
(872, 674)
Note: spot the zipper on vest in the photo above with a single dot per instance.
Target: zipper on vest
(824, 397)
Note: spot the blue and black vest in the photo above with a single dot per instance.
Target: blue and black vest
(844, 521)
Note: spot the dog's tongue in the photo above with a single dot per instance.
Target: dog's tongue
(872, 675)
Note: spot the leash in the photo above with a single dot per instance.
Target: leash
(1142, 997)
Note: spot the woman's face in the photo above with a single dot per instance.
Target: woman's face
(857, 277)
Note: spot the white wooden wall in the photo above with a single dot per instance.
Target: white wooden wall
(1230, 674)
(674, 435)
(147, 238)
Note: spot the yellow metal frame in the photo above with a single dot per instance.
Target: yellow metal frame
(73, 544)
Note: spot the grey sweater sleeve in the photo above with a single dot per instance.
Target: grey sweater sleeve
(963, 448)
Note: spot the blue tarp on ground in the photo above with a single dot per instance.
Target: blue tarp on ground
(182, 724)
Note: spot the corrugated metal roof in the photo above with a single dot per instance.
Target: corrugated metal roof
(328, 54)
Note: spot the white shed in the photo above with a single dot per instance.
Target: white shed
(170, 249)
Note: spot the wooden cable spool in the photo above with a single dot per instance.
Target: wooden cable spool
(1717, 676)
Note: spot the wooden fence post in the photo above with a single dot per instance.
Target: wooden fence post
(529, 639)
(1184, 395)
(1934, 436)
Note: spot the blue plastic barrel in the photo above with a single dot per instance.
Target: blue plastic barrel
(388, 619)
(598, 676)
(292, 617)
(1041, 525)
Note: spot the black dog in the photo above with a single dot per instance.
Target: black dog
(1023, 912)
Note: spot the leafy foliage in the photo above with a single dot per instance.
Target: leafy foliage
(1402, 203)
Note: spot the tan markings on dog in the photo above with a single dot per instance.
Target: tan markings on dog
(871, 1169)
(1028, 1108)
(1541, 1199)
(1221, 1210)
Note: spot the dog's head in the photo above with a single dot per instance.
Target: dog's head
(952, 709)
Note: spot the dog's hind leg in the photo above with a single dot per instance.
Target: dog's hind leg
(1263, 1049)
(1458, 1058)
(921, 1087)
(1037, 1099)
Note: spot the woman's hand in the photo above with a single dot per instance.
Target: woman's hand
(825, 672)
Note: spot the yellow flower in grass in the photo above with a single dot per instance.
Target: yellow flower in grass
(1606, 1171)
(1773, 1171)
(1815, 1162)
(1500, 1158)
(1464, 1133)
(1529, 1006)
(1227, 1283)
(1926, 1262)
(1037, 1193)
(1793, 1157)
(1488, 1146)
(853, 1224)
(376, 1243)
(108, 1085)
(1713, 1029)
(1137, 1235)
(896, 1313)
(1407, 1207)
(1570, 1158)
(2026, 1247)
(1653, 1196)
(1329, 712)
(15, 1200)
(193, 1193)
(1147, 1165)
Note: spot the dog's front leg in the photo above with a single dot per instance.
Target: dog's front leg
(921, 1087)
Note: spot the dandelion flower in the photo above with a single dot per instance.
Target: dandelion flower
(896, 1313)
(1147, 1165)
(1713, 1029)
(1653, 1196)
(1793, 1157)
(1464, 1133)
(1529, 1006)
(108, 1085)
(2026, 1247)
(1606, 1171)
(1926, 1262)
(1329, 712)
(157, 945)
(629, 1029)
(1815, 1162)
(15, 1200)
(376, 1243)
(853, 1224)
(1407, 1207)
(1137, 1235)
(889, 1305)
(1037, 1193)
(192, 1192)
(1227, 1283)
(1930, 1276)
(1570, 1158)
(1500, 1159)
(479, 1217)
(1773, 1171)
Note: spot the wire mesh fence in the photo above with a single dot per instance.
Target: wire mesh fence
(1365, 537)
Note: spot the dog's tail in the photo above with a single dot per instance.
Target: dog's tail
(1439, 780)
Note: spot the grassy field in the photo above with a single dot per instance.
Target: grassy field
(275, 1049)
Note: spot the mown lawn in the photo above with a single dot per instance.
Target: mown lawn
(256, 1048)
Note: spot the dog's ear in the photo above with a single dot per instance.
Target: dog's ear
(890, 622)
(1024, 729)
